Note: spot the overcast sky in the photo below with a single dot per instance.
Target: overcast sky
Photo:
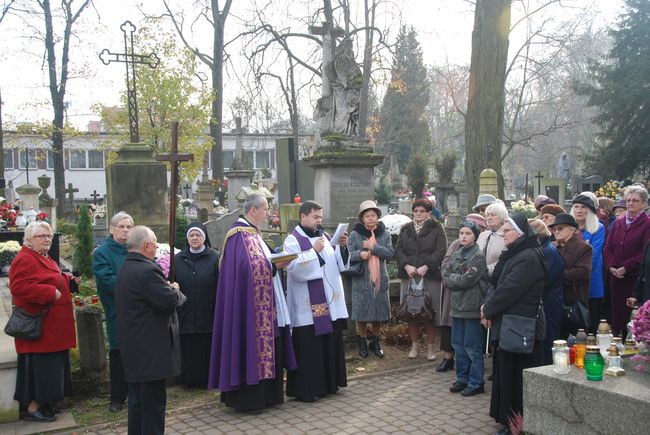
(444, 30)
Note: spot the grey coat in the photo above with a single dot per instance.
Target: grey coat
(467, 278)
(366, 305)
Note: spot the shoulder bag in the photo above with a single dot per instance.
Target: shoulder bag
(355, 268)
(416, 306)
(576, 315)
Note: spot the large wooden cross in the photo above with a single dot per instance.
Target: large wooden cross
(71, 191)
(174, 157)
(539, 177)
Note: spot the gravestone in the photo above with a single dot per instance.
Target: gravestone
(90, 340)
(589, 184)
(246, 191)
(137, 184)
(489, 182)
(289, 216)
(205, 190)
(29, 196)
(554, 188)
(218, 228)
(294, 176)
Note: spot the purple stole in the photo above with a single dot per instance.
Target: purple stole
(320, 311)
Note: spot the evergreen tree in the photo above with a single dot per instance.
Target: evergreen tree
(402, 123)
(83, 249)
(417, 173)
(622, 93)
(181, 228)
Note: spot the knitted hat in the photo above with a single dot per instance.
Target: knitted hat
(477, 219)
(619, 204)
(553, 209)
(422, 202)
(586, 201)
(472, 226)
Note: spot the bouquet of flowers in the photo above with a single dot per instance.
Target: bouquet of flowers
(612, 189)
(527, 208)
(641, 331)
(8, 214)
(8, 251)
(163, 258)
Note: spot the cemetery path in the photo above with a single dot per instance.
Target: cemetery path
(412, 401)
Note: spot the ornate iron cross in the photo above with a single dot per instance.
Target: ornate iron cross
(130, 59)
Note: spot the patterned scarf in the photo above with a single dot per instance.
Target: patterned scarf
(419, 226)
(373, 263)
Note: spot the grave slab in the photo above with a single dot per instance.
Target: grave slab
(570, 404)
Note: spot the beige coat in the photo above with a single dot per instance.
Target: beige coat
(494, 247)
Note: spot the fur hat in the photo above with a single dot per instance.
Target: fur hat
(553, 209)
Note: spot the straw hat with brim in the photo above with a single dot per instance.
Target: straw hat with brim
(368, 205)
(564, 219)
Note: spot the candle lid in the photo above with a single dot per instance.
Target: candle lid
(591, 339)
(603, 327)
(591, 348)
(613, 350)
(559, 343)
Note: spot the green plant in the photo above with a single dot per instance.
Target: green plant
(65, 227)
(416, 171)
(383, 192)
(83, 250)
(181, 228)
(445, 165)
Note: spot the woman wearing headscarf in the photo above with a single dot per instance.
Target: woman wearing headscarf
(197, 272)
(577, 256)
(593, 232)
(420, 248)
(518, 282)
(491, 242)
(623, 253)
(553, 291)
(370, 242)
(38, 286)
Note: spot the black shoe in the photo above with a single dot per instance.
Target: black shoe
(472, 391)
(115, 407)
(457, 387)
(445, 364)
(363, 347)
(376, 347)
(505, 431)
(38, 416)
(308, 399)
(48, 411)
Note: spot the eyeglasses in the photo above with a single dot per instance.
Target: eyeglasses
(44, 236)
(632, 201)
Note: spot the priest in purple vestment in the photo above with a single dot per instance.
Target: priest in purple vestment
(251, 344)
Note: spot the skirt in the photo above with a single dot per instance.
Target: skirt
(195, 359)
(43, 377)
(434, 288)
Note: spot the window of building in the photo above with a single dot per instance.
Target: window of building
(77, 159)
(227, 158)
(9, 158)
(28, 156)
(95, 159)
(50, 159)
(262, 159)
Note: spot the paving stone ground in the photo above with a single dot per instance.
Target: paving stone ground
(411, 402)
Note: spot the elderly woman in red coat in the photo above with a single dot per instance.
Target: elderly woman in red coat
(623, 253)
(37, 286)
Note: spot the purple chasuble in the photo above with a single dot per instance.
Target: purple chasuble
(320, 311)
(245, 320)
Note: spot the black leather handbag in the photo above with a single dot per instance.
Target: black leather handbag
(356, 268)
(517, 333)
(576, 316)
(24, 325)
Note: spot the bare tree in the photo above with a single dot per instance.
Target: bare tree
(216, 16)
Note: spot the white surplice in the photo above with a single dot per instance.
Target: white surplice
(307, 268)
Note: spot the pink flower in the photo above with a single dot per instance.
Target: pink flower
(163, 262)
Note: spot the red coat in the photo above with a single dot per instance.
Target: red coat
(33, 281)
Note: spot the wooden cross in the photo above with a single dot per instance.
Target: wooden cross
(95, 195)
(71, 191)
(174, 157)
(130, 59)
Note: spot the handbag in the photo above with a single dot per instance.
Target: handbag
(416, 306)
(356, 268)
(24, 325)
(517, 333)
(575, 316)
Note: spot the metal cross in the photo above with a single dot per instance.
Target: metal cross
(130, 59)
(71, 191)
(95, 195)
(539, 177)
(174, 157)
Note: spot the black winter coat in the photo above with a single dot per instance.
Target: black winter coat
(642, 289)
(428, 247)
(518, 290)
(198, 281)
(147, 321)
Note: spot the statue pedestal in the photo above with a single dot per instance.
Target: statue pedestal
(237, 179)
(205, 195)
(137, 184)
(342, 180)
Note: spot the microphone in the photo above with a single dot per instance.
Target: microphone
(319, 231)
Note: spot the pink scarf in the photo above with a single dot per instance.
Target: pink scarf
(373, 263)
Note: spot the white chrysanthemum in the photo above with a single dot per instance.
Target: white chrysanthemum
(394, 222)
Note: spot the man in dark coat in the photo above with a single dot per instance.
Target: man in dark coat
(148, 331)
(107, 262)
(641, 292)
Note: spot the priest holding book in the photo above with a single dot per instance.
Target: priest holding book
(316, 306)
